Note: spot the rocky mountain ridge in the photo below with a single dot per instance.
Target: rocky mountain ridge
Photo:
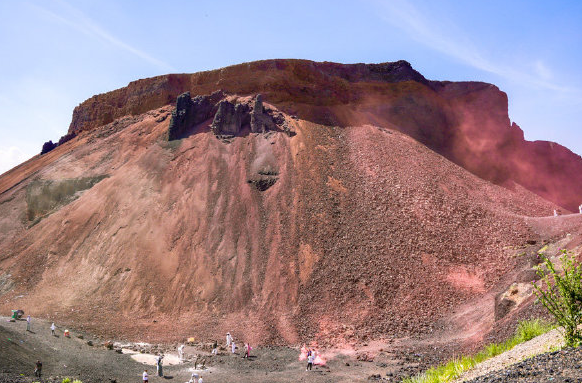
(467, 122)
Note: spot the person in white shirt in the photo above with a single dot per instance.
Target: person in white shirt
(181, 353)
(145, 376)
(228, 339)
(28, 323)
(310, 360)
(200, 380)
(580, 209)
(53, 328)
(233, 346)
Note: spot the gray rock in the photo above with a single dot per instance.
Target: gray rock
(228, 118)
(502, 307)
(261, 122)
(190, 112)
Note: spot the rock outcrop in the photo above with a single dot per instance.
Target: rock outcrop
(232, 118)
(190, 112)
(228, 118)
(47, 147)
(260, 121)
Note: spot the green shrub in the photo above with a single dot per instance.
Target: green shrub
(562, 294)
(451, 370)
(66, 380)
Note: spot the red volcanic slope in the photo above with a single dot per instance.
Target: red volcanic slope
(365, 234)
(467, 122)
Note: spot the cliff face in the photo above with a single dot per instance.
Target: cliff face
(467, 122)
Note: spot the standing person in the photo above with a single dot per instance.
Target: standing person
(145, 376)
(215, 348)
(200, 380)
(28, 323)
(181, 353)
(228, 339)
(159, 365)
(233, 346)
(53, 328)
(247, 350)
(580, 209)
(38, 368)
(310, 360)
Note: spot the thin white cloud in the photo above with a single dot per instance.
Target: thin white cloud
(12, 156)
(542, 70)
(76, 19)
(447, 38)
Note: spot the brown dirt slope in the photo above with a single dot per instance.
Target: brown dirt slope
(366, 233)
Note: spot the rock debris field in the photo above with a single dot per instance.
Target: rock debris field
(559, 366)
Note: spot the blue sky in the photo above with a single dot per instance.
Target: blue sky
(57, 53)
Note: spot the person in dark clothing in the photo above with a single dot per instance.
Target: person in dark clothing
(38, 369)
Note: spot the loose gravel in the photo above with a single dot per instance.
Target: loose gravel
(538, 345)
(558, 366)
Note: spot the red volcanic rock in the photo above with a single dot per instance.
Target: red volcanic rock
(467, 122)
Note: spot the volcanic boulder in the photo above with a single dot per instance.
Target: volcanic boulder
(47, 147)
(260, 121)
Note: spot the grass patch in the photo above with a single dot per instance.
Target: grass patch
(451, 370)
(45, 196)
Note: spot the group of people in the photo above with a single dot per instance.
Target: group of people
(310, 359)
(53, 328)
(230, 343)
(38, 364)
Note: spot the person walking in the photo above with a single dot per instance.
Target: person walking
(233, 347)
(159, 365)
(145, 376)
(53, 328)
(38, 369)
(28, 323)
(215, 348)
